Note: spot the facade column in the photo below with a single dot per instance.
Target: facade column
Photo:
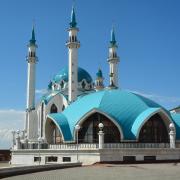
(18, 142)
(172, 136)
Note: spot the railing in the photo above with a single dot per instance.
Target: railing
(136, 145)
(109, 146)
(73, 146)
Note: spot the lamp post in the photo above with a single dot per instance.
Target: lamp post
(13, 134)
(77, 127)
(101, 135)
(39, 141)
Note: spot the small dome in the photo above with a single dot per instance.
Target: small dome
(63, 75)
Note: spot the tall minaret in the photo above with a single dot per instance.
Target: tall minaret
(73, 44)
(113, 60)
(30, 106)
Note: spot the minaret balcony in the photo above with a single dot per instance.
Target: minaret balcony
(31, 59)
(71, 44)
(113, 59)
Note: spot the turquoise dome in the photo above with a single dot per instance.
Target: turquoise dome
(63, 75)
(128, 109)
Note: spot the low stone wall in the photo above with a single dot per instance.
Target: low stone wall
(88, 157)
(13, 171)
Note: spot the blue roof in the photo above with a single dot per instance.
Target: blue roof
(63, 75)
(113, 39)
(73, 22)
(32, 41)
(48, 96)
(128, 110)
(176, 119)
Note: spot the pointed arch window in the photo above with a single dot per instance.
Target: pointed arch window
(154, 131)
(63, 108)
(83, 84)
(89, 130)
(53, 109)
(62, 84)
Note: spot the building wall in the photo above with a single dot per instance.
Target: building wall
(88, 157)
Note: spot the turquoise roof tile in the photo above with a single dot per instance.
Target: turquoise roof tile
(126, 108)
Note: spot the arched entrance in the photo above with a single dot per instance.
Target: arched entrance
(53, 135)
(154, 131)
(89, 129)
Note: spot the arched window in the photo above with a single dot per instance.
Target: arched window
(83, 84)
(63, 108)
(62, 84)
(53, 109)
(89, 130)
(52, 133)
(154, 131)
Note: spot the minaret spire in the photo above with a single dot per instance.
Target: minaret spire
(113, 38)
(113, 60)
(73, 22)
(33, 39)
(73, 44)
(30, 107)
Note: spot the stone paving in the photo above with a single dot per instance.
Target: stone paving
(169, 171)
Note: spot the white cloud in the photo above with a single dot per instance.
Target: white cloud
(41, 91)
(10, 119)
(159, 98)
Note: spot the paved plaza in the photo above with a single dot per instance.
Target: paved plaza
(108, 171)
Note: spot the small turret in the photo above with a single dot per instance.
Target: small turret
(99, 80)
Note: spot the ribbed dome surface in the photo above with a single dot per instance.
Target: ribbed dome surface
(129, 110)
(63, 75)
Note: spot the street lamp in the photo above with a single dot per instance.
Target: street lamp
(39, 141)
(101, 135)
(77, 127)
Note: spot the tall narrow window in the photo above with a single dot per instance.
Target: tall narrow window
(53, 109)
(154, 131)
(83, 84)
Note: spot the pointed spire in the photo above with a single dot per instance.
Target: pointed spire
(113, 39)
(33, 39)
(73, 22)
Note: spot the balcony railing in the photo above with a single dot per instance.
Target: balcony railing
(109, 146)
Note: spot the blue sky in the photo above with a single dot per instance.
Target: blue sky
(147, 31)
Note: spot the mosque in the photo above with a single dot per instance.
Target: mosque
(79, 119)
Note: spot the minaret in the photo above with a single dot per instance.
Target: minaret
(99, 80)
(113, 60)
(30, 106)
(73, 44)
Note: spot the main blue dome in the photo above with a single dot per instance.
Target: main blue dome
(63, 75)
(128, 109)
